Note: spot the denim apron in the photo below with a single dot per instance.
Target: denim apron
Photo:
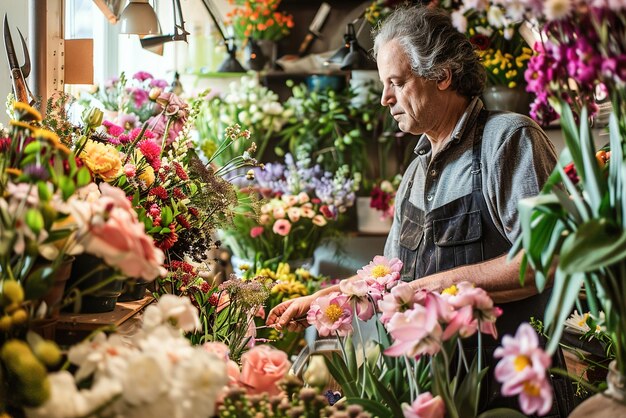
(462, 232)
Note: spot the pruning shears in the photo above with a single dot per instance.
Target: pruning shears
(18, 73)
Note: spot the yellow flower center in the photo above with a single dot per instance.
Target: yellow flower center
(380, 271)
(452, 290)
(531, 389)
(333, 312)
(520, 363)
(583, 320)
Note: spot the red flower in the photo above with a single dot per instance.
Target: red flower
(480, 41)
(193, 211)
(150, 149)
(570, 171)
(159, 192)
(182, 221)
(380, 200)
(169, 239)
(180, 172)
(179, 193)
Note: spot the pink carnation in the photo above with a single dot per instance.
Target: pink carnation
(256, 231)
(282, 227)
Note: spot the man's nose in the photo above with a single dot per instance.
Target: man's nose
(386, 99)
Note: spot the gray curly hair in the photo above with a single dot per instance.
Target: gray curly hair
(433, 45)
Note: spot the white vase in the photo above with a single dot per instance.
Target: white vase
(369, 220)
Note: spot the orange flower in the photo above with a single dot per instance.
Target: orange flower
(102, 159)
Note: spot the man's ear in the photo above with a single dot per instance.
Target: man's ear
(446, 81)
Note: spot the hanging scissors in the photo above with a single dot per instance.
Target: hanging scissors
(18, 73)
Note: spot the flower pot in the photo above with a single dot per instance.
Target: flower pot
(503, 98)
(609, 404)
(260, 54)
(133, 289)
(104, 298)
(369, 219)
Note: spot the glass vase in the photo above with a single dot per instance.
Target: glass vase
(508, 99)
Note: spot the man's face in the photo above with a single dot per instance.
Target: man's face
(412, 100)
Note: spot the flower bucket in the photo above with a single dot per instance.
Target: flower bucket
(132, 290)
(369, 219)
(102, 300)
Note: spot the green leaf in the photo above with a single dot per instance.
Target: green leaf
(502, 412)
(33, 147)
(34, 220)
(38, 282)
(44, 191)
(165, 231)
(166, 216)
(593, 180)
(389, 397)
(83, 177)
(564, 294)
(67, 187)
(596, 244)
(468, 393)
(571, 137)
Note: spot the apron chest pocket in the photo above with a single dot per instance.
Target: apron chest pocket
(410, 234)
(458, 230)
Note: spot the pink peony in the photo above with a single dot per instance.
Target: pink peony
(522, 370)
(425, 406)
(415, 332)
(331, 313)
(262, 367)
(383, 271)
(282, 227)
(256, 231)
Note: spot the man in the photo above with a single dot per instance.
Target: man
(456, 209)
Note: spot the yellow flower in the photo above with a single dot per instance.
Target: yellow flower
(147, 175)
(24, 125)
(102, 159)
(14, 171)
(26, 112)
(51, 138)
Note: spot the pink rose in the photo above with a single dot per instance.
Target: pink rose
(425, 406)
(256, 231)
(262, 367)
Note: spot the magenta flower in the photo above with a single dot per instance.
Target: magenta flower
(113, 129)
(282, 227)
(425, 406)
(331, 313)
(383, 271)
(415, 332)
(522, 370)
(256, 231)
(142, 76)
(401, 298)
(357, 292)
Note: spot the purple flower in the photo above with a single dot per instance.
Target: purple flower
(157, 82)
(36, 171)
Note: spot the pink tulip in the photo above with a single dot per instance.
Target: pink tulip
(331, 313)
(383, 271)
(425, 406)
(282, 227)
(522, 370)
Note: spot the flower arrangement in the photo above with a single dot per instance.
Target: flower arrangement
(419, 333)
(335, 132)
(126, 100)
(378, 10)
(302, 205)
(259, 20)
(578, 228)
(383, 196)
(156, 371)
(49, 210)
(246, 103)
(497, 39)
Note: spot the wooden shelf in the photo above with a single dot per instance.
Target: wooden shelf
(125, 318)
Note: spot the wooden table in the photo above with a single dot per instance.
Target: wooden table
(125, 319)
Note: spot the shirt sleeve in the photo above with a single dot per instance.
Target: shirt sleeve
(521, 166)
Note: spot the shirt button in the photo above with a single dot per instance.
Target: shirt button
(421, 152)
(429, 197)
(433, 173)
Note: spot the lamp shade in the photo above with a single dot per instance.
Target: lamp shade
(139, 18)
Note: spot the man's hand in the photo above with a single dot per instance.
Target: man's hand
(289, 313)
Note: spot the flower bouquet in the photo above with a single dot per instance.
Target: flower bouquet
(497, 39)
(259, 20)
(417, 365)
(246, 103)
(126, 101)
(303, 204)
